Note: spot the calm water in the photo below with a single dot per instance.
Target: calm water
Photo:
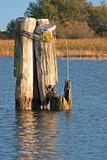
(78, 135)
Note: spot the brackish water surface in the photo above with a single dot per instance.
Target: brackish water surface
(77, 135)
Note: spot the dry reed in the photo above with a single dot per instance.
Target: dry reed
(6, 47)
(93, 47)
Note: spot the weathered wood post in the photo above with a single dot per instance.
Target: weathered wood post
(35, 67)
(23, 64)
(45, 71)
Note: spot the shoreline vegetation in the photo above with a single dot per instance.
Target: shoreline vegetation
(91, 48)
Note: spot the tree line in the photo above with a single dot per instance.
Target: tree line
(66, 13)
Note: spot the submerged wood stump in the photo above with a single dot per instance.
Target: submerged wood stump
(23, 64)
(58, 103)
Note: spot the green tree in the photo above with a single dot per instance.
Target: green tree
(41, 9)
(61, 10)
(97, 19)
(11, 29)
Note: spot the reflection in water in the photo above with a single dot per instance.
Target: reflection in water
(36, 136)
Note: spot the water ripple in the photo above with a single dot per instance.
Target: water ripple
(79, 134)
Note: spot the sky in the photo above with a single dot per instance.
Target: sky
(11, 9)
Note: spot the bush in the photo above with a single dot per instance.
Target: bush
(74, 30)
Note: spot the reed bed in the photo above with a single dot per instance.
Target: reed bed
(77, 48)
(95, 44)
(95, 47)
(6, 47)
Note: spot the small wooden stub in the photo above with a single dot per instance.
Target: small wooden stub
(58, 103)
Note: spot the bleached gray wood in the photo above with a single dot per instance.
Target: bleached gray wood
(35, 66)
(23, 64)
(46, 65)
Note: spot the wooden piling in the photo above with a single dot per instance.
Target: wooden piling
(35, 67)
(23, 64)
(45, 71)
